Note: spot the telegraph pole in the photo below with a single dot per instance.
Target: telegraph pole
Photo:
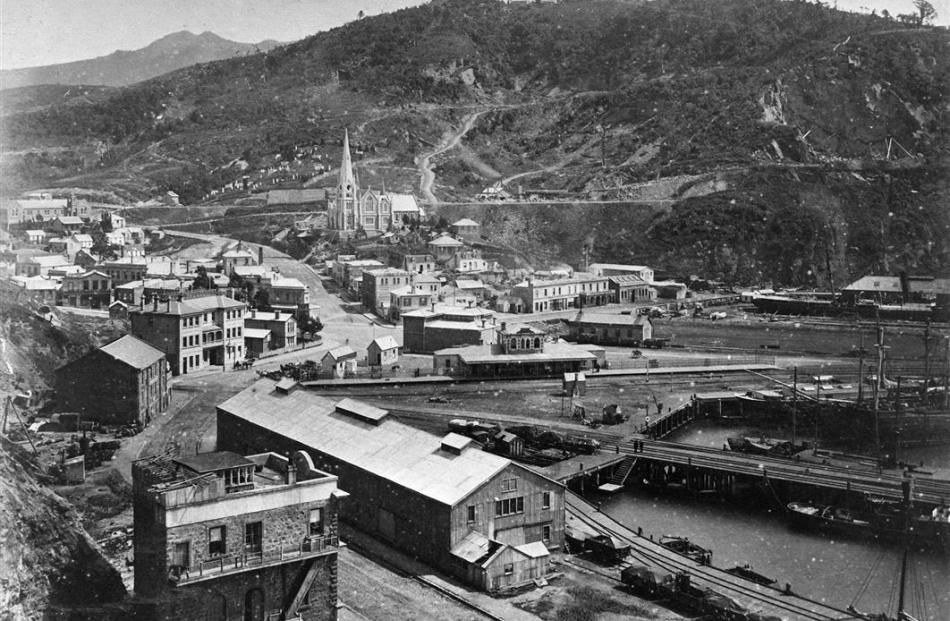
(878, 384)
(795, 407)
(860, 366)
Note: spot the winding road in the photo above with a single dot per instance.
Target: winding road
(424, 162)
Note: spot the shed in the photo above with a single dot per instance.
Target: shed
(339, 361)
(382, 351)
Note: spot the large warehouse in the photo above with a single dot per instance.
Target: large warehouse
(478, 516)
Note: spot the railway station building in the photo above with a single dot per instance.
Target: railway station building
(474, 515)
(607, 329)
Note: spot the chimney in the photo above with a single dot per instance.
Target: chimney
(291, 474)
(155, 303)
(276, 314)
(905, 287)
(168, 304)
(260, 255)
(504, 325)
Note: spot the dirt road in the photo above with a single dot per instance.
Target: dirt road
(449, 142)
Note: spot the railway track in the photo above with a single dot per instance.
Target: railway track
(652, 554)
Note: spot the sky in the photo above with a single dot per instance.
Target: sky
(44, 32)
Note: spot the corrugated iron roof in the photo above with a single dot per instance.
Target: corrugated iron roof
(212, 462)
(386, 342)
(133, 352)
(409, 457)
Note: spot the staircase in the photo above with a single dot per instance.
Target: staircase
(620, 476)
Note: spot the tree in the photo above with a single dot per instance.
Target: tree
(203, 281)
(925, 12)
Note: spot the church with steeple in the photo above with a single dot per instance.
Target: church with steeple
(367, 210)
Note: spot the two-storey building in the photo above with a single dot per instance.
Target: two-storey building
(194, 333)
(444, 248)
(231, 536)
(378, 285)
(92, 289)
(282, 327)
(429, 329)
(419, 263)
(579, 290)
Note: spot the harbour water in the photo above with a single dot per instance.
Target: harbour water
(840, 572)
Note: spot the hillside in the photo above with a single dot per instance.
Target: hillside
(124, 67)
(787, 141)
(46, 558)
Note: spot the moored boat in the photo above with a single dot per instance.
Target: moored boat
(746, 571)
(685, 547)
(878, 520)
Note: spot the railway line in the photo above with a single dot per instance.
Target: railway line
(767, 599)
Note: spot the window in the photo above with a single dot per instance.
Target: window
(181, 554)
(253, 537)
(509, 569)
(545, 533)
(471, 514)
(316, 521)
(184, 341)
(216, 541)
(509, 506)
(509, 485)
(546, 500)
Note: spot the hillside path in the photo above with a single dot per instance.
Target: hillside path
(561, 163)
(424, 162)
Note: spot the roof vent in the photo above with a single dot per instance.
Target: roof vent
(286, 385)
(455, 443)
(361, 411)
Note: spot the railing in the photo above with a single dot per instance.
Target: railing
(230, 563)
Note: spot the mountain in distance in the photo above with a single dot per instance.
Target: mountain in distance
(123, 67)
(748, 140)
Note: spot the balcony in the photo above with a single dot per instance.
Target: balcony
(179, 575)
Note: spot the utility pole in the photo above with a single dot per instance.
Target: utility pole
(878, 384)
(795, 407)
(860, 366)
(926, 358)
(897, 433)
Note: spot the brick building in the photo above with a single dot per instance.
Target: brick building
(429, 329)
(124, 382)
(226, 536)
(193, 333)
(475, 515)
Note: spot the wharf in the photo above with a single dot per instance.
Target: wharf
(697, 461)
(583, 466)
(763, 599)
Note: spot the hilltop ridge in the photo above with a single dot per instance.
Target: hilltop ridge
(788, 117)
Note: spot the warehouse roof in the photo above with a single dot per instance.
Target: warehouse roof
(408, 457)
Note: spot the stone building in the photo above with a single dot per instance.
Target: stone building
(478, 516)
(194, 333)
(227, 536)
(124, 382)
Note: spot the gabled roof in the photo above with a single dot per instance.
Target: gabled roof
(341, 353)
(445, 240)
(385, 342)
(608, 319)
(469, 284)
(403, 202)
(82, 237)
(465, 222)
(426, 277)
(70, 220)
(132, 351)
(627, 280)
(408, 457)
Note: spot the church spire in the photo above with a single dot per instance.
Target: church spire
(347, 184)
